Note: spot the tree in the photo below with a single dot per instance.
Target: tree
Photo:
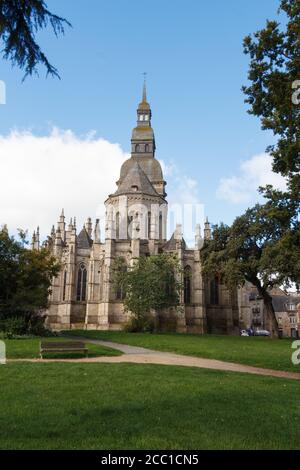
(259, 248)
(20, 20)
(151, 283)
(25, 277)
(274, 91)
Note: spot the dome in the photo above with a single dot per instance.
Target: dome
(149, 165)
(144, 105)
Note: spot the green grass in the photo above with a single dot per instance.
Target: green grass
(255, 351)
(132, 406)
(29, 349)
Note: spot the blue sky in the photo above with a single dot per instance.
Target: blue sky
(192, 52)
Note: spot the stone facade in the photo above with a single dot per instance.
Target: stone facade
(83, 295)
(252, 314)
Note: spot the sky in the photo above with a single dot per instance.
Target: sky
(62, 141)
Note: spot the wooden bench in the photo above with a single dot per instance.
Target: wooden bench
(62, 346)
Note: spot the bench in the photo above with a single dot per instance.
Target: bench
(62, 346)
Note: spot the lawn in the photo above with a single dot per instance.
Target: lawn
(255, 351)
(29, 348)
(131, 406)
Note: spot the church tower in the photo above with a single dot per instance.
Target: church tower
(138, 208)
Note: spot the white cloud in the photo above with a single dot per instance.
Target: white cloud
(41, 175)
(255, 172)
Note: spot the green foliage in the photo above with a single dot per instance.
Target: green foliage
(25, 279)
(259, 248)
(13, 326)
(152, 283)
(274, 67)
(20, 21)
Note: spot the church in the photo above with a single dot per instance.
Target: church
(83, 295)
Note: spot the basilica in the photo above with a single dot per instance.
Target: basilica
(83, 295)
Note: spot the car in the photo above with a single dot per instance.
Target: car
(262, 333)
(244, 333)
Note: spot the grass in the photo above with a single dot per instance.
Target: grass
(132, 406)
(29, 349)
(255, 351)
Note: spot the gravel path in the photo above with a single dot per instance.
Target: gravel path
(137, 355)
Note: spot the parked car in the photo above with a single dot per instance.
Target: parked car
(262, 333)
(244, 333)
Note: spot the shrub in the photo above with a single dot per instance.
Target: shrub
(13, 326)
(140, 325)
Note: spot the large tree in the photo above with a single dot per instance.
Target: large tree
(273, 92)
(259, 248)
(153, 282)
(262, 246)
(25, 277)
(20, 21)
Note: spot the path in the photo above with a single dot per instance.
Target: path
(138, 355)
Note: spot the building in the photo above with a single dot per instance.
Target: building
(252, 313)
(83, 295)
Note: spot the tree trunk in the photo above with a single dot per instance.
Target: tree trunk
(271, 320)
(271, 323)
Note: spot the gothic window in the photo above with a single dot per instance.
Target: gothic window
(149, 225)
(137, 148)
(81, 283)
(120, 294)
(130, 223)
(214, 291)
(118, 225)
(146, 117)
(64, 285)
(160, 226)
(187, 285)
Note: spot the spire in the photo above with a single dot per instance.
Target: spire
(207, 230)
(144, 98)
(198, 237)
(97, 234)
(88, 226)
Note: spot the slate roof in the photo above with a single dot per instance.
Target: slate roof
(171, 244)
(280, 301)
(136, 181)
(83, 239)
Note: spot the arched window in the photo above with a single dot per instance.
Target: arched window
(214, 291)
(120, 294)
(81, 283)
(137, 148)
(187, 285)
(129, 225)
(147, 148)
(160, 226)
(118, 225)
(149, 225)
(64, 285)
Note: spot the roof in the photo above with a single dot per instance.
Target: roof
(171, 244)
(135, 181)
(83, 239)
(280, 302)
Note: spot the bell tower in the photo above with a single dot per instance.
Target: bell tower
(143, 141)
